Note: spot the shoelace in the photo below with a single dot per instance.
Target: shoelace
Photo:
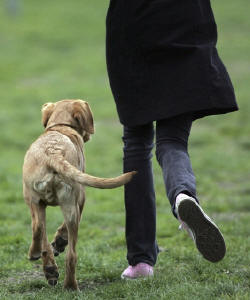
(184, 226)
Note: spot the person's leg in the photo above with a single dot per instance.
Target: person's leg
(172, 144)
(140, 195)
(172, 154)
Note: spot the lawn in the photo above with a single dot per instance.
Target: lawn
(51, 50)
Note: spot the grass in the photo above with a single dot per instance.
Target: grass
(52, 50)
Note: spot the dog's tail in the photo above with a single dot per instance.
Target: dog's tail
(68, 171)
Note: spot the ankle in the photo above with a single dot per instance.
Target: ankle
(179, 198)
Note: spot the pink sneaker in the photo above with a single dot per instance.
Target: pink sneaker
(140, 270)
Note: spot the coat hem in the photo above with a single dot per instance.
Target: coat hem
(197, 114)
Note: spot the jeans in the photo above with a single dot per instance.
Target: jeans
(172, 155)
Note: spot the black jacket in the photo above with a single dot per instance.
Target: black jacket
(162, 60)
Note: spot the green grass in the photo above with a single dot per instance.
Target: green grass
(52, 50)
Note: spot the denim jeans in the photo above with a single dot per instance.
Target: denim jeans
(172, 155)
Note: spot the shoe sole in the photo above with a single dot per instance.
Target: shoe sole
(136, 278)
(208, 238)
(128, 278)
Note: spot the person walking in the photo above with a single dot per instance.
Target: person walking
(164, 67)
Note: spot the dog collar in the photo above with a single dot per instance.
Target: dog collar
(60, 124)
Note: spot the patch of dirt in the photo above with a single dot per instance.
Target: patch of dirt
(94, 284)
(20, 277)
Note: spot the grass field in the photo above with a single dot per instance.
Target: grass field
(51, 50)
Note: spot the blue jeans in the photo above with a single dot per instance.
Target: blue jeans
(172, 154)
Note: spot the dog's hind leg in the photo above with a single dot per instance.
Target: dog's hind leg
(37, 232)
(61, 236)
(40, 245)
(72, 217)
(35, 247)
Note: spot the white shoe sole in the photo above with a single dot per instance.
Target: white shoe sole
(208, 238)
(127, 278)
(135, 278)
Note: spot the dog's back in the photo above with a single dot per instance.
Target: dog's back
(38, 176)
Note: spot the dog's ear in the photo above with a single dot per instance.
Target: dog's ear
(86, 137)
(47, 110)
(83, 115)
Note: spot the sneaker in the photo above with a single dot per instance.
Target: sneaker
(206, 235)
(139, 271)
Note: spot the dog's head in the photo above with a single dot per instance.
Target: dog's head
(74, 113)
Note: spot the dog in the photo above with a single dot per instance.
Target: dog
(53, 174)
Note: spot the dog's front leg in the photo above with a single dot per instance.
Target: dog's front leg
(72, 217)
(60, 239)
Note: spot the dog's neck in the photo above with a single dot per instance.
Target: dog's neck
(60, 124)
(69, 131)
(75, 138)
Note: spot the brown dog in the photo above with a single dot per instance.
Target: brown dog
(53, 174)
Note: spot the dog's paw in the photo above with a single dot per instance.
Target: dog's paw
(51, 274)
(34, 254)
(59, 245)
(32, 258)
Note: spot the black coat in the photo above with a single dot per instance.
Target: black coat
(162, 60)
